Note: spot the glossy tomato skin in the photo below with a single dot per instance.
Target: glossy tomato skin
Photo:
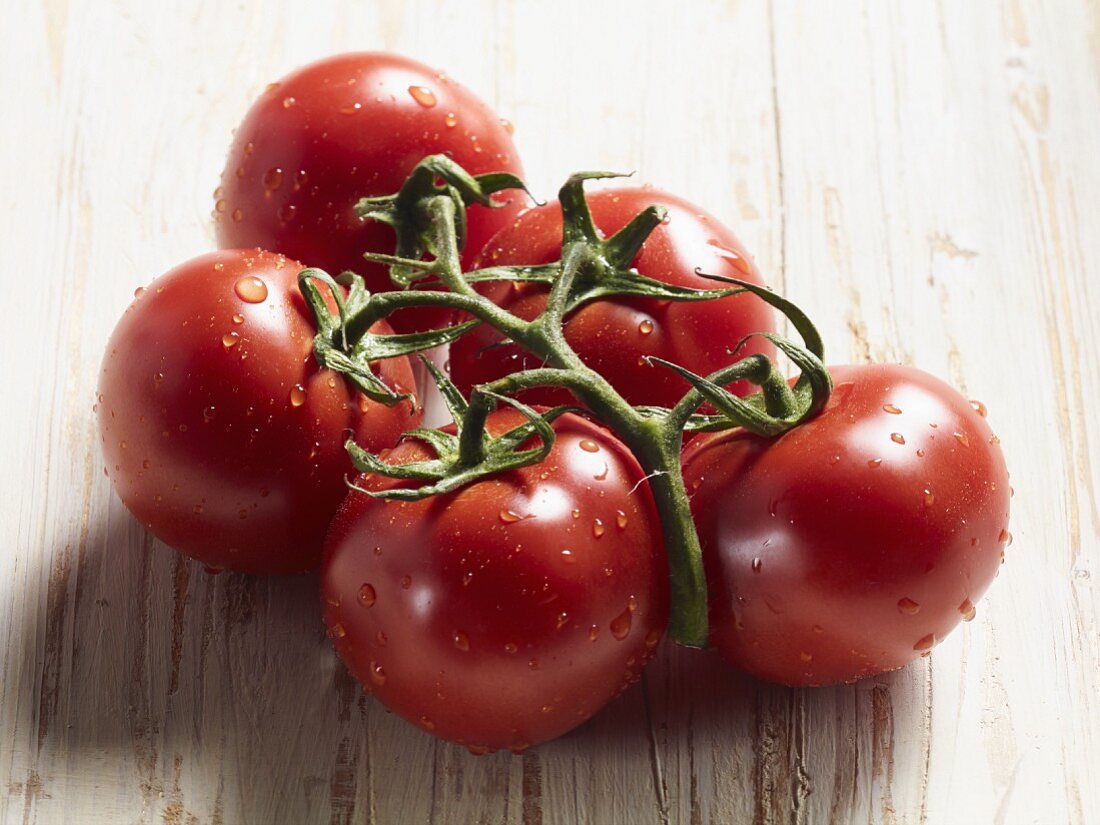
(220, 432)
(508, 612)
(346, 127)
(611, 336)
(853, 543)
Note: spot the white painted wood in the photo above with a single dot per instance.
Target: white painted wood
(922, 177)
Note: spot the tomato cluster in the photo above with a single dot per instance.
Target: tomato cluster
(504, 610)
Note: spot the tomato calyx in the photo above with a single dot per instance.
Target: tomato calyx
(428, 218)
(469, 453)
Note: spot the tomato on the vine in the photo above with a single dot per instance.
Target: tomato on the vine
(220, 431)
(511, 610)
(855, 542)
(613, 335)
(347, 127)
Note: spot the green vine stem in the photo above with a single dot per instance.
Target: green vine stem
(429, 218)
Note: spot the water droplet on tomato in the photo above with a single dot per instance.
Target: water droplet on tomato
(288, 102)
(968, 610)
(377, 673)
(427, 723)
(423, 95)
(238, 215)
(197, 509)
(874, 463)
(929, 498)
(920, 453)
(273, 179)
(1005, 537)
(589, 446)
(230, 339)
(353, 109)
(908, 606)
(620, 625)
(337, 632)
(238, 319)
(652, 638)
(890, 408)
(756, 565)
(925, 642)
(461, 640)
(979, 408)
(297, 395)
(450, 120)
(593, 633)
(561, 621)
(510, 516)
(251, 289)
(576, 514)
(568, 557)
(645, 327)
(598, 528)
(508, 127)
(286, 212)
(208, 414)
(620, 519)
(897, 438)
(962, 439)
(367, 595)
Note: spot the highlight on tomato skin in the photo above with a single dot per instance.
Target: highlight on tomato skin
(220, 432)
(613, 335)
(346, 127)
(510, 611)
(854, 543)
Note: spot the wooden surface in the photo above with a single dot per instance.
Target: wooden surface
(923, 177)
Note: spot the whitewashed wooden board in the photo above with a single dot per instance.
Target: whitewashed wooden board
(923, 177)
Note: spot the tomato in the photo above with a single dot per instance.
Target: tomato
(611, 336)
(509, 611)
(220, 432)
(346, 127)
(853, 543)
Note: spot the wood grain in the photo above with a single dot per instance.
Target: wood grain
(922, 177)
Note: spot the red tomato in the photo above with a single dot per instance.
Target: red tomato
(221, 433)
(856, 541)
(343, 128)
(508, 612)
(611, 336)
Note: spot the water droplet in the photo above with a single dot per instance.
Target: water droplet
(286, 212)
(238, 319)
(874, 463)
(251, 289)
(925, 642)
(197, 509)
(890, 408)
(589, 446)
(967, 610)
(756, 565)
(367, 595)
(450, 120)
(353, 109)
(568, 557)
(897, 438)
(834, 459)
(467, 578)
(146, 464)
(208, 414)
(462, 641)
(240, 172)
(908, 606)
(806, 657)
(427, 723)
(288, 102)
(511, 647)
(598, 528)
(962, 439)
(508, 127)
(593, 633)
(645, 327)
(620, 625)
(510, 516)
(602, 474)
(406, 582)
(620, 519)
(273, 179)
(377, 673)
(238, 215)
(422, 95)
(230, 340)
(929, 498)
(979, 408)
(1005, 538)
(533, 664)
(561, 621)
(920, 453)
(652, 638)
(337, 632)
(576, 514)
(122, 445)
(297, 395)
